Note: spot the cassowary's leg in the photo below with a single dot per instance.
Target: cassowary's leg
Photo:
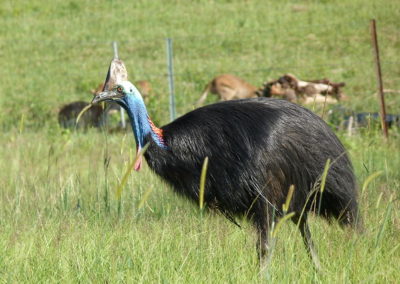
(264, 223)
(263, 242)
(306, 234)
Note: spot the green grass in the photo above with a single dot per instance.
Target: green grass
(60, 219)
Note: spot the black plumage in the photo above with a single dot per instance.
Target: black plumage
(257, 149)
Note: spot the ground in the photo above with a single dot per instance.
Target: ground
(60, 218)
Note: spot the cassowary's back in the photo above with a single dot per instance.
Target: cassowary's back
(257, 148)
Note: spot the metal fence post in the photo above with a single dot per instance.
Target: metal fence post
(121, 110)
(171, 80)
(115, 48)
(374, 38)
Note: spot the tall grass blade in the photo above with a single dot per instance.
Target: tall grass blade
(280, 222)
(378, 201)
(144, 198)
(119, 207)
(369, 179)
(382, 229)
(22, 123)
(82, 112)
(65, 199)
(118, 191)
(323, 183)
(285, 206)
(393, 250)
(324, 175)
(203, 183)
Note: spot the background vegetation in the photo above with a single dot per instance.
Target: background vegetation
(60, 220)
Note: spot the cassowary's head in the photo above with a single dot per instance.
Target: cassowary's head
(124, 93)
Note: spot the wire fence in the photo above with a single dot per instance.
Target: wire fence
(257, 55)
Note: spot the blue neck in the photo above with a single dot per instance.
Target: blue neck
(140, 121)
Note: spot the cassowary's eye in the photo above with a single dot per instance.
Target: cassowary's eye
(119, 90)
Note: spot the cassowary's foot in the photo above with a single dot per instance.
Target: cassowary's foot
(265, 248)
(306, 234)
(265, 243)
(315, 259)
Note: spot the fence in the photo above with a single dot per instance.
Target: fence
(60, 71)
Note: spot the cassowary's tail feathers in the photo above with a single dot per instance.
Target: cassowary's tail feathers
(344, 210)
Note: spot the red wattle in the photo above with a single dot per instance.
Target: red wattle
(138, 163)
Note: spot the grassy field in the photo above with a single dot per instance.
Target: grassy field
(60, 220)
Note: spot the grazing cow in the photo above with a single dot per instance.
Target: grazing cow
(95, 116)
(229, 87)
(306, 92)
(144, 87)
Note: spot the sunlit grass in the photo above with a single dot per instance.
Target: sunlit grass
(58, 225)
(60, 219)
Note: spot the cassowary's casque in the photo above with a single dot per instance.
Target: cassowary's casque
(257, 149)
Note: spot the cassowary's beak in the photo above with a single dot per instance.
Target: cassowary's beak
(105, 96)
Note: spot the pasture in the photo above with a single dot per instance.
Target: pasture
(60, 219)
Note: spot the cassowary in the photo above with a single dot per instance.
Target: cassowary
(257, 149)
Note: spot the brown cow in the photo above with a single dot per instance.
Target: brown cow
(229, 87)
(144, 88)
(306, 92)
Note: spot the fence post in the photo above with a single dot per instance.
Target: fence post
(374, 38)
(121, 110)
(171, 80)
(115, 48)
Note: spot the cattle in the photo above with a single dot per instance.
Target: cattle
(229, 87)
(290, 88)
